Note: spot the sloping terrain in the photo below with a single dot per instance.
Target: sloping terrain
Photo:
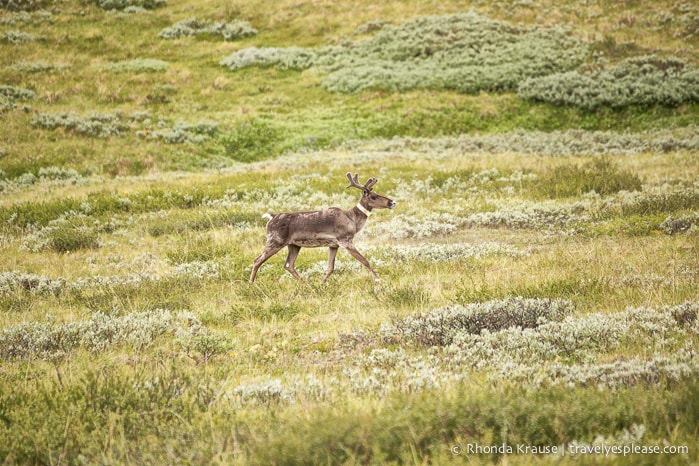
(539, 292)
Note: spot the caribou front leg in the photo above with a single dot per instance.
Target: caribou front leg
(332, 252)
(357, 255)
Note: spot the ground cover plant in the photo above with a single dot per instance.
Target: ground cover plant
(539, 297)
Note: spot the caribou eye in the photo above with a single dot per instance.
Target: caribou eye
(373, 196)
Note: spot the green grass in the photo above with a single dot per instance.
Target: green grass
(134, 174)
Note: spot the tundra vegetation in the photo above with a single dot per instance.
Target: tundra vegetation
(539, 274)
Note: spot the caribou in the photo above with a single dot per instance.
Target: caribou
(332, 228)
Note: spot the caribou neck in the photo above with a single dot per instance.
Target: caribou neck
(361, 210)
(361, 213)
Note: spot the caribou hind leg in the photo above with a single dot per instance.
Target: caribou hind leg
(270, 250)
(291, 258)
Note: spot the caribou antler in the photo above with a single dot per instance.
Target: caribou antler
(354, 182)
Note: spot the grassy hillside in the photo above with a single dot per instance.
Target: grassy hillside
(539, 284)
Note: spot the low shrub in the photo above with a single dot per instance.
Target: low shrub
(646, 80)
(183, 132)
(18, 37)
(23, 5)
(49, 341)
(651, 200)
(67, 234)
(99, 125)
(546, 215)
(680, 224)
(439, 327)
(550, 143)
(9, 95)
(192, 27)
(138, 65)
(16, 93)
(291, 58)
(31, 16)
(124, 4)
(463, 52)
(33, 284)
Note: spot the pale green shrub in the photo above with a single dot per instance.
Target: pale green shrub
(198, 341)
(26, 179)
(446, 252)
(33, 340)
(647, 80)
(528, 215)
(463, 52)
(538, 342)
(53, 175)
(678, 224)
(138, 65)
(100, 125)
(409, 226)
(191, 27)
(132, 10)
(18, 37)
(14, 282)
(264, 392)
(198, 270)
(24, 17)
(553, 143)
(38, 66)
(22, 5)
(291, 58)
(629, 372)
(651, 199)
(439, 327)
(66, 234)
(183, 132)
(10, 94)
(123, 4)
(57, 173)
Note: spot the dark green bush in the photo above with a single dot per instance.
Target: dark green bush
(600, 175)
(23, 5)
(69, 237)
(252, 140)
